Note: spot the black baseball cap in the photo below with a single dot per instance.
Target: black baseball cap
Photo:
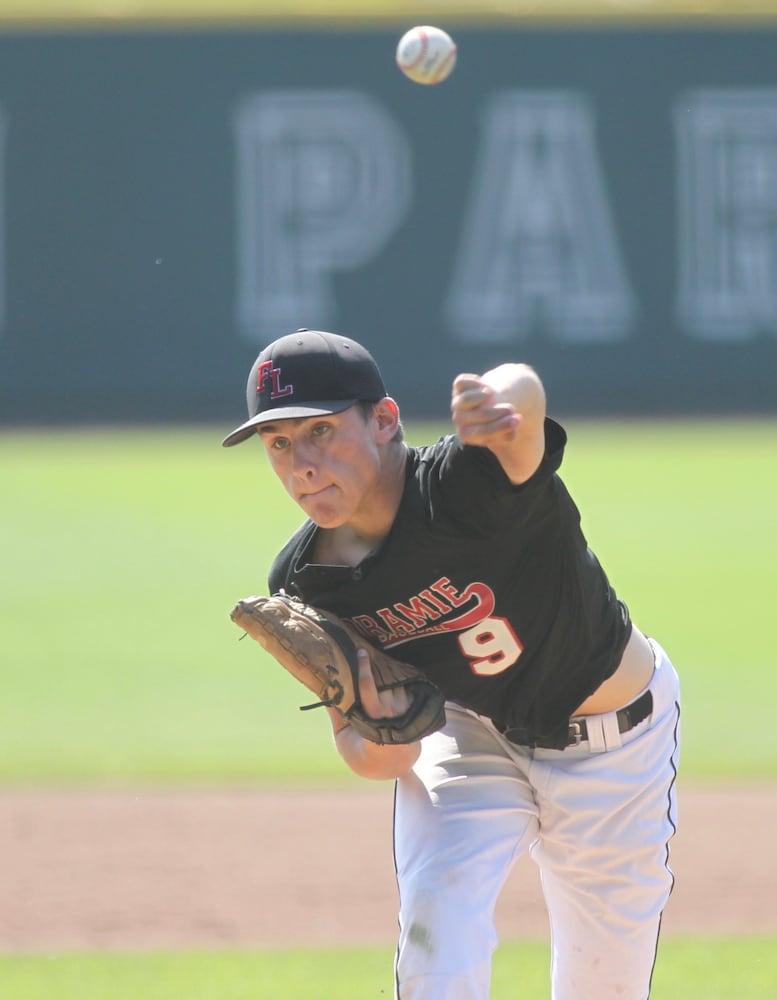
(309, 373)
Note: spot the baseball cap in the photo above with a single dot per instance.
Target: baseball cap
(309, 373)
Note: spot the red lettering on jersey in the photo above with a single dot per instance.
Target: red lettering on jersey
(445, 589)
(369, 627)
(395, 625)
(430, 598)
(267, 370)
(483, 607)
(417, 612)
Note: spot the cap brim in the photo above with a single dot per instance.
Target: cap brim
(319, 408)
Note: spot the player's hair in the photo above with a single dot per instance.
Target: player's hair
(366, 407)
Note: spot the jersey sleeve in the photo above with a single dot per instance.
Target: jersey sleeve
(466, 480)
(555, 443)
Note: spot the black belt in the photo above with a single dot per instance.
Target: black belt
(627, 717)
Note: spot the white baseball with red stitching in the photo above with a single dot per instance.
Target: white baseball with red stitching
(426, 54)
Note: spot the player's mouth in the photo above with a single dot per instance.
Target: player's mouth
(314, 495)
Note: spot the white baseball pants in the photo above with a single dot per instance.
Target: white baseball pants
(597, 823)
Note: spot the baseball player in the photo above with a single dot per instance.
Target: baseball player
(466, 558)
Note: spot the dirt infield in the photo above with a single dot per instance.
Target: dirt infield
(142, 870)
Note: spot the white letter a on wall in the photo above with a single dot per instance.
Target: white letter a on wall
(538, 250)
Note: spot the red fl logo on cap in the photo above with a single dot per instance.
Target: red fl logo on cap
(267, 370)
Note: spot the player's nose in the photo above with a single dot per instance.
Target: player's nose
(303, 466)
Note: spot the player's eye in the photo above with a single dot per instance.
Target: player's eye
(279, 443)
(319, 430)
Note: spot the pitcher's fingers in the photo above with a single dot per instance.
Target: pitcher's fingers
(388, 704)
(368, 691)
(469, 395)
(500, 422)
(466, 380)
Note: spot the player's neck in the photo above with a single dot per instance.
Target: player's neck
(343, 547)
(350, 543)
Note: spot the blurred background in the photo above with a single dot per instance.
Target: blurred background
(593, 191)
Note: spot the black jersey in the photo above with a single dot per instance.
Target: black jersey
(488, 587)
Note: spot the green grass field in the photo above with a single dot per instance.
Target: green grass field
(124, 551)
(697, 969)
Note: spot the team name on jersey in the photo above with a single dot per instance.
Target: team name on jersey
(440, 607)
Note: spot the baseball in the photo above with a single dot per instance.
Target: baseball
(426, 54)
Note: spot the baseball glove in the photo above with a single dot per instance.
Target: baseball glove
(319, 649)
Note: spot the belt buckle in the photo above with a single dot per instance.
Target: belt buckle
(575, 737)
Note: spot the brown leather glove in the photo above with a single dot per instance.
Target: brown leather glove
(319, 649)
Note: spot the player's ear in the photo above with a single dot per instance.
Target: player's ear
(386, 414)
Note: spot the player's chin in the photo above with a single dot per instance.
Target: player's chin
(323, 514)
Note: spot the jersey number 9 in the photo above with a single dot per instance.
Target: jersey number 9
(491, 646)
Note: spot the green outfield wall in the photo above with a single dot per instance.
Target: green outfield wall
(598, 201)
